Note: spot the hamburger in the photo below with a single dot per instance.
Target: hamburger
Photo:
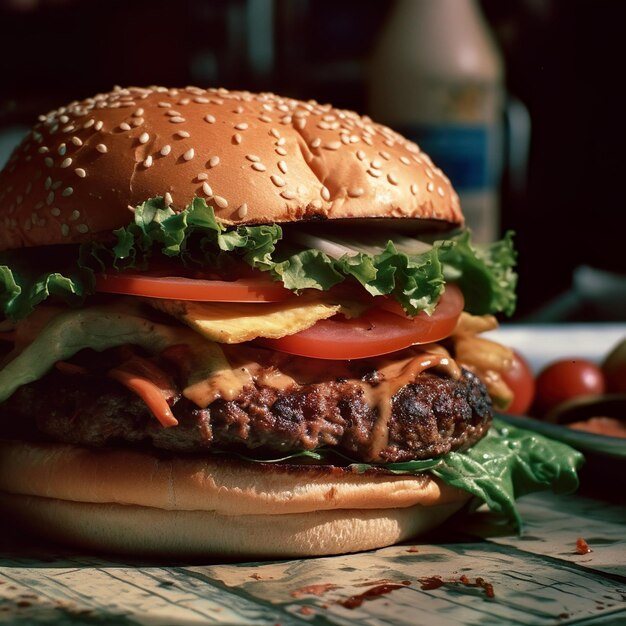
(246, 325)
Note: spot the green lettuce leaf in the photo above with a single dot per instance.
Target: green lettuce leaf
(194, 237)
(507, 463)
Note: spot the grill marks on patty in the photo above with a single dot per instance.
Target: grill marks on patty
(429, 416)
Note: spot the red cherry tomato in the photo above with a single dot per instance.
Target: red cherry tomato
(520, 380)
(567, 379)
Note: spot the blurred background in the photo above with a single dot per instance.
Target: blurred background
(531, 87)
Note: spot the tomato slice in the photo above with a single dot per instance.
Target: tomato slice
(200, 290)
(375, 332)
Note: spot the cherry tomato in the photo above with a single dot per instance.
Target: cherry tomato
(375, 332)
(567, 379)
(614, 368)
(259, 289)
(520, 380)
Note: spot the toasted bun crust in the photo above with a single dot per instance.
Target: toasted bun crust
(134, 501)
(256, 158)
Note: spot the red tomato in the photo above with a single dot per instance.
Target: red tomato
(566, 379)
(175, 288)
(375, 332)
(520, 380)
(614, 368)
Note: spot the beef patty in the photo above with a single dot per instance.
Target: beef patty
(427, 417)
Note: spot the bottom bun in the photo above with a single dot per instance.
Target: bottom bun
(143, 503)
(144, 531)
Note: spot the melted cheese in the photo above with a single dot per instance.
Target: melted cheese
(238, 322)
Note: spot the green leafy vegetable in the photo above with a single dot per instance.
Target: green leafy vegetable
(506, 464)
(194, 236)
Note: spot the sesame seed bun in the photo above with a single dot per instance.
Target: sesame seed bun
(256, 158)
(139, 502)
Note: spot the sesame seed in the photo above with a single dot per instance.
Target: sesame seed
(64, 119)
(325, 193)
(102, 148)
(138, 113)
(187, 156)
(65, 230)
(392, 179)
(210, 119)
(356, 192)
(62, 149)
(39, 205)
(376, 164)
(165, 150)
(89, 123)
(281, 141)
(82, 228)
(279, 181)
(55, 212)
(50, 198)
(69, 129)
(281, 151)
(275, 133)
(75, 215)
(183, 134)
(222, 203)
(56, 185)
(48, 161)
(173, 113)
(48, 183)
(98, 125)
(177, 120)
(168, 198)
(165, 105)
(144, 138)
(405, 160)
(288, 195)
(282, 166)
(253, 157)
(202, 176)
(137, 121)
(124, 126)
(385, 155)
(316, 143)
(414, 189)
(147, 162)
(430, 186)
(43, 150)
(440, 191)
(242, 211)
(200, 100)
(241, 126)
(265, 118)
(374, 172)
(259, 167)
(80, 172)
(429, 173)
(206, 189)
(66, 162)
(76, 141)
(19, 199)
(332, 145)
(237, 138)
(68, 191)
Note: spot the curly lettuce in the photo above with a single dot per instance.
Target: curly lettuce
(194, 237)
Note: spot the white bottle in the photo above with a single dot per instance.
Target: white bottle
(436, 76)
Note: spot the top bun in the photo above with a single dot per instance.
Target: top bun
(256, 158)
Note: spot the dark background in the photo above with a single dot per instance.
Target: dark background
(564, 60)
